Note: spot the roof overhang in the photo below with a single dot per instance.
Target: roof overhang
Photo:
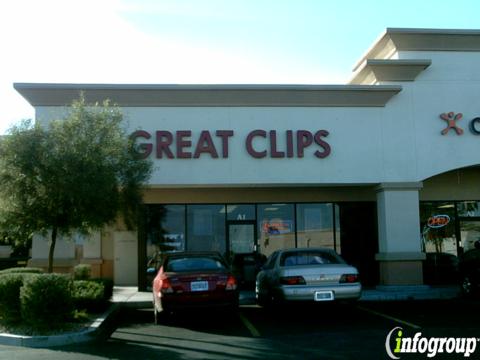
(374, 70)
(397, 39)
(131, 95)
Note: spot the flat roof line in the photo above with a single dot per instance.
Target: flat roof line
(190, 95)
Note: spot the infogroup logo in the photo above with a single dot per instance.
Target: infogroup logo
(397, 344)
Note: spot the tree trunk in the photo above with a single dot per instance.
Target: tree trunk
(52, 249)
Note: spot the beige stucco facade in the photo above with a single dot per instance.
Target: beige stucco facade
(377, 139)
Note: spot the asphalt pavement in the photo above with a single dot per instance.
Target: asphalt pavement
(323, 331)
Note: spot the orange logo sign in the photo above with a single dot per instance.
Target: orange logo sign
(451, 120)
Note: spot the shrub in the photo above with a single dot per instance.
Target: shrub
(22, 270)
(82, 272)
(46, 300)
(88, 295)
(108, 287)
(10, 285)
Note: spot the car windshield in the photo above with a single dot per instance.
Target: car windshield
(299, 258)
(183, 264)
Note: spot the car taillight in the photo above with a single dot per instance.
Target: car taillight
(166, 286)
(292, 280)
(349, 278)
(231, 283)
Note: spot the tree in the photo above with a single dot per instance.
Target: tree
(73, 174)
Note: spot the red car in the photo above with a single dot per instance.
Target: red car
(192, 280)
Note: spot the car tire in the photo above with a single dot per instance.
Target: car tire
(467, 287)
(266, 300)
(162, 317)
(233, 308)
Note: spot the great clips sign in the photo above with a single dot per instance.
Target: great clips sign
(185, 144)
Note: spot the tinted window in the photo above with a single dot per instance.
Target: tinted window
(315, 226)
(206, 228)
(183, 264)
(299, 258)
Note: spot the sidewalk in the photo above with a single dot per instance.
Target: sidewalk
(131, 297)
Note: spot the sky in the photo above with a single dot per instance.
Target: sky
(199, 41)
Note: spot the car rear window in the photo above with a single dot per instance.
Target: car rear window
(183, 264)
(309, 258)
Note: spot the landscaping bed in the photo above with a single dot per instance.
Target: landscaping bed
(36, 304)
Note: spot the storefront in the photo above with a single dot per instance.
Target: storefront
(385, 170)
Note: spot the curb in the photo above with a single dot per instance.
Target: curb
(91, 333)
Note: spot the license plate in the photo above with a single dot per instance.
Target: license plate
(199, 286)
(323, 296)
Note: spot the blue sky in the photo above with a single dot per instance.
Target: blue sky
(199, 41)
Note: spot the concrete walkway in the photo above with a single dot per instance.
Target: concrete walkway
(131, 297)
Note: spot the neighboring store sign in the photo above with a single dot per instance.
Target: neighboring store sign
(438, 221)
(184, 144)
(475, 126)
(451, 118)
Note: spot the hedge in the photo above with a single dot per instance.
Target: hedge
(22, 270)
(88, 294)
(10, 285)
(46, 301)
(108, 287)
(82, 271)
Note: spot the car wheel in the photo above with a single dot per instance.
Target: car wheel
(232, 308)
(467, 286)
(264, 300)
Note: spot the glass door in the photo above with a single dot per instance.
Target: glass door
(241, 237)
(242, 251)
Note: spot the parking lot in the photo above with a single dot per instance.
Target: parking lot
(324, 331)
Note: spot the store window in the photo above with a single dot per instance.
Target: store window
(439, 241)
(468, 208)
(469, 223)
(165, 230)
(315, 226)
(276, 227)
(240, 212)
(206, 228)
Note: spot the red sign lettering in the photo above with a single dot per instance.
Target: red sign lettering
(184, 144)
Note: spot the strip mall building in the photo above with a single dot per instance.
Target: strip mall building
(384, 169)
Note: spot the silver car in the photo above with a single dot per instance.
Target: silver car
(311, 274)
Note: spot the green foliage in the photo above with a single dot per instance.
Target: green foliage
(46, 301)
(22, 270)
(107, 287)
(72, 174)
(19, 239)
(10, 285)
(88, 294)
(82, 271)
(80, 315)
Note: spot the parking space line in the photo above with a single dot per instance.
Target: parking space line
(414, 326)
(253, 330)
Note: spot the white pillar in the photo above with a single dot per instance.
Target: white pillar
(400, 253)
